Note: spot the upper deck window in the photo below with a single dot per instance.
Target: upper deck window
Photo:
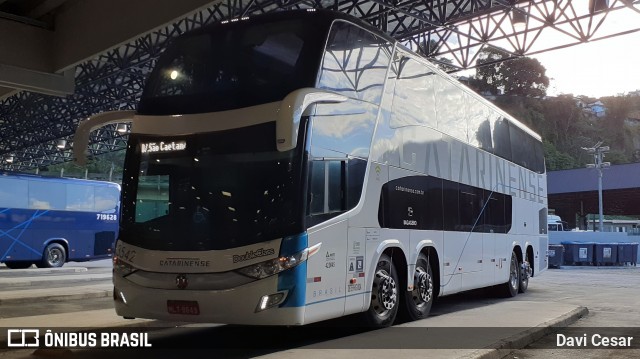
(233, 66)
(355, 63)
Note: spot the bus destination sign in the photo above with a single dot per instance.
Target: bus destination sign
(157, 147)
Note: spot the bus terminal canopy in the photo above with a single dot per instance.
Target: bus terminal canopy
(99, 53)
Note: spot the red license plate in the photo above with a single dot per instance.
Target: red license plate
(184, 307)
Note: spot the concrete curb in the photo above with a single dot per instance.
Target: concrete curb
(39, 271)
(59, 297)
(520, 340)
(35, 281)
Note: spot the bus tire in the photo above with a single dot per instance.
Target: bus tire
(54, 256)
(18, 264)
(512, 286)
(385, 298)
(417, 303)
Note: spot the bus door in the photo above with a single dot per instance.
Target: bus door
(338, 147)
(326, 270)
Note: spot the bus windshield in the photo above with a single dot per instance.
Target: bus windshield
(210, 191)
(238, 65)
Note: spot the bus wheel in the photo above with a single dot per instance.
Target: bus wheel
(54, 256)
(18, 264)
(384, 295)
(512, 286)
(417, 303)
(525, 273)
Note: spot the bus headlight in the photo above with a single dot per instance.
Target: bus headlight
(277, 265)
(271, 300)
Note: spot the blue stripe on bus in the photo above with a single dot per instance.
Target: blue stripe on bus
(294, 280)
(24, 233)
(293, 244)
(343, 297)
(16, 240)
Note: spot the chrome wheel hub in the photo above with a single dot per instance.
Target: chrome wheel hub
(386, 292)
(526, 270)
(54, 256)
(423, 286)
(514, 273)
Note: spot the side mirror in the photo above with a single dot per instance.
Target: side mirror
(81, 138)
(292, 109)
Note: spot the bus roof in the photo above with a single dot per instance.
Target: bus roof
(328, 16)
(471, 92)
(320, 16)
(58, 179)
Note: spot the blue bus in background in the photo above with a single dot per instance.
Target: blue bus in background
(49, 221)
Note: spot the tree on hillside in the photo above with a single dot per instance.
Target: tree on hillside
(562, 117)
(523, 76)
(618, 110)
(556, 160)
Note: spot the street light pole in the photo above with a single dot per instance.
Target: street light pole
(600, 192)
(598, 154)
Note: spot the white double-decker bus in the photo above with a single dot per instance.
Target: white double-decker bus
(299, 166)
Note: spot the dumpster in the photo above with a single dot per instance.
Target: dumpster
(634, 253)
(605, 254)
(578, 253)
(625, 253)
(556, 255)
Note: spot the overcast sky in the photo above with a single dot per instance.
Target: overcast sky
(601, 68)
